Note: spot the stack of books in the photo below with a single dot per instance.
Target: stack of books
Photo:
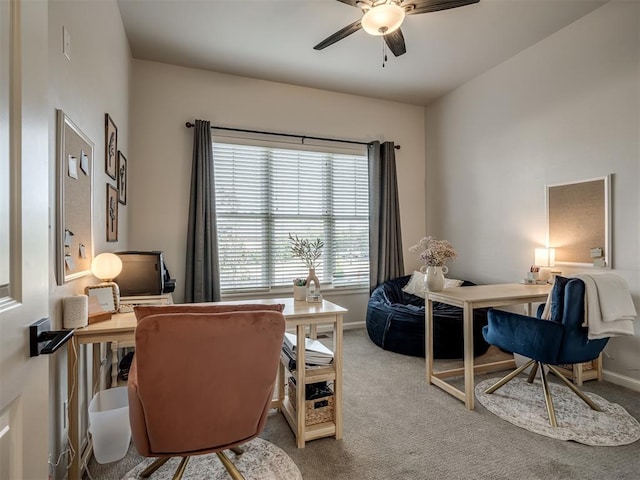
(315, 353)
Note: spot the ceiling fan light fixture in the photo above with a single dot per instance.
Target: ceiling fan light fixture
(383, 19)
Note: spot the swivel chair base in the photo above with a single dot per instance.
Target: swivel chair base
(545, 386)
(228, 464)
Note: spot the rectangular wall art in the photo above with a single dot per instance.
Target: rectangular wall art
(74, 233)
(122, 178)
(111, 146)
(579, 222)
(112, 213)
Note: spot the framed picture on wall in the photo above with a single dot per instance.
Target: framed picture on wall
(579, 222)
(112, 213)
(122, 178)
(111, 146)
(74, 200)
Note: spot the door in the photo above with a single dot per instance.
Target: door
(24, 251)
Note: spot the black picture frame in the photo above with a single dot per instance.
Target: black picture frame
(122, 178)
(112, 213)
(110, 147)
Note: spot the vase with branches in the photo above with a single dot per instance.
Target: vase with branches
(309, 251)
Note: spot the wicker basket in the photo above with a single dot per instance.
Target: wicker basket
(318, 410)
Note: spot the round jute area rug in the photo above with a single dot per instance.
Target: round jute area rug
(261, 460)
(523, 404)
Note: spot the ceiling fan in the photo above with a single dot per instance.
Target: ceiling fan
(384, 17)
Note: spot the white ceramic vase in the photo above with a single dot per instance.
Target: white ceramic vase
(434, 277)
(313, 279)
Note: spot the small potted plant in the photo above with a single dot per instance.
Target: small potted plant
(299, 289)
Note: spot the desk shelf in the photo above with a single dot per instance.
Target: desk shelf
(319, 430)
(314, 375)
(311, 316)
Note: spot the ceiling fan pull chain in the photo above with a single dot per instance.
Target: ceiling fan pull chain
(384, 52)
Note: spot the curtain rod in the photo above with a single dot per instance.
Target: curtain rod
(290, 135)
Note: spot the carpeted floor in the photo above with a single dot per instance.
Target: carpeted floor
(398, 427)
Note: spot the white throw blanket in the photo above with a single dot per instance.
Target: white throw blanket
(609, 308)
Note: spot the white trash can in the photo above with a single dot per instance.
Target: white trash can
(109, 424)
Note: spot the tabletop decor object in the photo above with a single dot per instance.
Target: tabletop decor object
(106, 267)
(75, 311)
(309, 251)
(434, 254)
(299, 289)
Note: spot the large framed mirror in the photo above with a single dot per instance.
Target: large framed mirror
(579, 222)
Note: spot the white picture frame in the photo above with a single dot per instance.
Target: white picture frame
(74, 202)
(106, 295)
(579, 222)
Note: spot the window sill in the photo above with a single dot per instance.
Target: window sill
(288, 292)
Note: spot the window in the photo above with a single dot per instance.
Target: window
(265, 193)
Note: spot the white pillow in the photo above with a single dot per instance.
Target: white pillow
(415, 285)
(451, 282)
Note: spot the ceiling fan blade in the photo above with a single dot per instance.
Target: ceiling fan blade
(395, 42)
(353, 3)
(426, 6)
(339, 35)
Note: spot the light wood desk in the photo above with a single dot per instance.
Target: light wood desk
(469, 298)
(121, 328)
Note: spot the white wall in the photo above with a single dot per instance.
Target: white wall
(94, 82)
(164, 97)
(565, 109)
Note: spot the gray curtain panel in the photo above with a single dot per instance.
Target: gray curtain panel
(202, 282)
(385, 237)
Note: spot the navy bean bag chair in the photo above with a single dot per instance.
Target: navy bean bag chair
(396, 320)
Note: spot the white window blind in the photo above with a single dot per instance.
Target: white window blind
(265, 193)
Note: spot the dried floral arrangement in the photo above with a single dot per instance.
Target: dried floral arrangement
(433, 252)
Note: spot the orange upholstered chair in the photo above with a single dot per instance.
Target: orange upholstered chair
(202, 380)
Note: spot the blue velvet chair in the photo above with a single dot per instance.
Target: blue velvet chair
(560, 340)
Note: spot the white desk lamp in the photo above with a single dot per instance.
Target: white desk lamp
(545, 258)
(106, 267)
